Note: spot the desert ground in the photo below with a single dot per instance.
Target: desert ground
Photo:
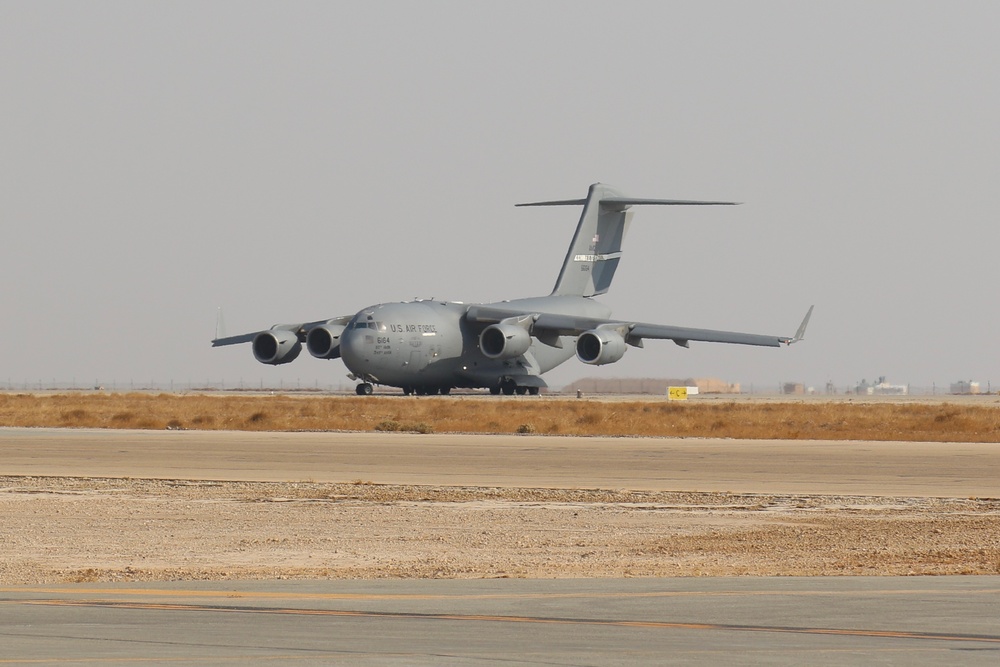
(69, 529)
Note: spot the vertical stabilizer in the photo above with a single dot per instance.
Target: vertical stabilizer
(593, 255)
(596, 248)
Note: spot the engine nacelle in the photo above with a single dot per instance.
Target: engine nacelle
(600, 346)
(277, 346)
(504, 341)
(324, 342)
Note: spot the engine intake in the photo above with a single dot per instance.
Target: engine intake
(600, 346)
(277, 346)
(504, 341)
(323, 342)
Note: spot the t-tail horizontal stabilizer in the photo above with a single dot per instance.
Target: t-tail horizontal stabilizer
(596, 248)
(621, 202)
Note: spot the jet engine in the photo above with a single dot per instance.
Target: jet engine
(504, 341)
(277, 346)
(600, 346)
(324, 342)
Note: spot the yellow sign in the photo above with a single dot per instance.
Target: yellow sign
(677, 393)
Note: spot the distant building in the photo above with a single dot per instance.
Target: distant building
(886, 389)
(649, 386)
(796, 388)
(881, 388)
(963, 387)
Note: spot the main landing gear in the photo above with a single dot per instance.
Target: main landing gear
(509, 387)
(426, 391)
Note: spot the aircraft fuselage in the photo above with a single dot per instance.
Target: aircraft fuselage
(429, 344)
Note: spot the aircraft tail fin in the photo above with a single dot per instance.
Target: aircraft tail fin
(596, 249)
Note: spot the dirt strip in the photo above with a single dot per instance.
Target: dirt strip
(86, 529)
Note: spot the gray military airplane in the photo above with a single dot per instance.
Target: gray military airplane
(430, 347)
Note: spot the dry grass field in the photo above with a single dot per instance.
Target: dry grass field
(933, 422)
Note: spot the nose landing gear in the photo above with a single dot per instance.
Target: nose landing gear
(363, 389)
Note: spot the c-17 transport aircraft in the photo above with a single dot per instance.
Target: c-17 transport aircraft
(430, 346)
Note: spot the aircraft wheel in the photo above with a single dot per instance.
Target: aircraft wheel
(445, 391)
(421, 391)
(407, 391)
(364, 389)
(432, 391)
(533, 391)
(495, 390)
(521, 391)
(508, 387)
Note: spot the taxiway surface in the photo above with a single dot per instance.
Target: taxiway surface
(783, 621)
(656, 464)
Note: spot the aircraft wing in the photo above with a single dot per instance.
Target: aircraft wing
(547, 326)
(300, 331)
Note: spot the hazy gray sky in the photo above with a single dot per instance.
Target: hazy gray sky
(298, 160)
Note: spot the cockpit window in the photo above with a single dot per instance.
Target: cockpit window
(362, 324)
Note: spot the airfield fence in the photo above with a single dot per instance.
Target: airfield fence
(257, 385)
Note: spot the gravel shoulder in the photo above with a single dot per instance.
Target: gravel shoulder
(60, 529)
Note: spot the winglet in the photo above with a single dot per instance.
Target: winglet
(801, 333)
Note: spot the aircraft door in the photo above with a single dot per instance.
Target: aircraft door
(417, 361)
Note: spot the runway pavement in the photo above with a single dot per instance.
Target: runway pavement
(781, 621)
(659, 464)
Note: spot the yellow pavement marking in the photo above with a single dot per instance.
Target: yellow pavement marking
(490, 618)
(273, 595)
